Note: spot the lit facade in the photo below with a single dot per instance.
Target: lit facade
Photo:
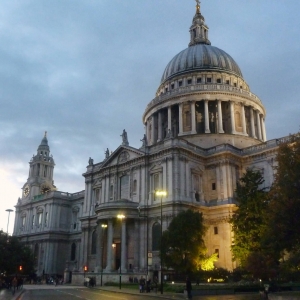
(204, 128)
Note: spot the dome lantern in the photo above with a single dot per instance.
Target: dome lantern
(199, 30)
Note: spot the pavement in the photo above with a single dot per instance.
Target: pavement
(7, 294)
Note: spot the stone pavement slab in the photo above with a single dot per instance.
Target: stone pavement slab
(6, 294)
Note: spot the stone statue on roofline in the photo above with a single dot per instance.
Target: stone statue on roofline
(106, 153)
(124, 138)
(144, 141)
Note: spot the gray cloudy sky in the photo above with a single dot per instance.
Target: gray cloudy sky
(84, 70)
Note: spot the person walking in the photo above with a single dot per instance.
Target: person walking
(14, 284)
(188, 287)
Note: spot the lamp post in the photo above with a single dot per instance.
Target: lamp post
(161, 194)
(103, 228)
(121, 217)
(9, 211)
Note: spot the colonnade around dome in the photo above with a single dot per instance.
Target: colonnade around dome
(181, 118)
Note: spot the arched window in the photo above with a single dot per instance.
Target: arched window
(73, 252)
(94, 242)
(156, 237)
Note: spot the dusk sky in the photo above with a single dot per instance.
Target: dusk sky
(84, 70)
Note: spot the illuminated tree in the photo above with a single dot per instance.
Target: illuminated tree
(183, 244)
(249, 220)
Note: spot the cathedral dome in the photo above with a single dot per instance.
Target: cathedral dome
(201, 57)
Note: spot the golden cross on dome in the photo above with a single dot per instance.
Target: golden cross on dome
(198, 6)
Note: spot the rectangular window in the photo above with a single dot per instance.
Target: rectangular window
(217, 251)
(241, 87)
(199, 80)
(234, 84)
(227, 81)
(156, 182)
(172, 86)
(218, 80)
(208, 80)
(189, 81)
(40, 218)
(111, 191)
(166, 89)
(213, 186)
(216, 230)
(179, 83)
(46, 219)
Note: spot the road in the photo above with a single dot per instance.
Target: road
(70, 293)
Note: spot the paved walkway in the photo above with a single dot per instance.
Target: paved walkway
(6, 294)
(165, 295)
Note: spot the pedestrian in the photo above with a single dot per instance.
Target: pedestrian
(14, 284)
(142, 284)
(155, 283)
(189, 287)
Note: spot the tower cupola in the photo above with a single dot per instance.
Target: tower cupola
(199, 30)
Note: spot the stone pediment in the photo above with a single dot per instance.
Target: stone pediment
(122, 155)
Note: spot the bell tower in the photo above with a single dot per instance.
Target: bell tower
(41, 166)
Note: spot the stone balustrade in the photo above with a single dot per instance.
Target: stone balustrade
(204, 87)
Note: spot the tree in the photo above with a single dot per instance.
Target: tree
(183, 246)
(249, 220)
(284, 223)
(13, 255)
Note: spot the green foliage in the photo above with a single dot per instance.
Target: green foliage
(284, 223)
(207, 263)
(13, 255)
(182, 243)
(249, 221)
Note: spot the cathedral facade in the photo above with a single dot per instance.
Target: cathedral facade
(204, 128)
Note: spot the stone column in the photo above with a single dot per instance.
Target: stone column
(123, 247)
(99, 248)
(253, 134)
(232, 117)
(169, 117)
(109, 245)
(207, 130)
(180, 119)
(141, 232)
(153, 130)
(137, 240)
(159, 133)
(220, 118)
(244, 119)
(258, 125)
(263, 129)
(193, 116)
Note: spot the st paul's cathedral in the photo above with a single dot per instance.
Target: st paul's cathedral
(203, 129)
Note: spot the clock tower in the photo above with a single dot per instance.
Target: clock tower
(40, 180)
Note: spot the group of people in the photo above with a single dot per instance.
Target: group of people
(146, 286)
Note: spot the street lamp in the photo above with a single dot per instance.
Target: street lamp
(103, 228)
(161, 194)
(9, 211)
(121, 217)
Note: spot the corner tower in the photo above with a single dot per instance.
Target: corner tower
(40, 180)
(204, 99)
